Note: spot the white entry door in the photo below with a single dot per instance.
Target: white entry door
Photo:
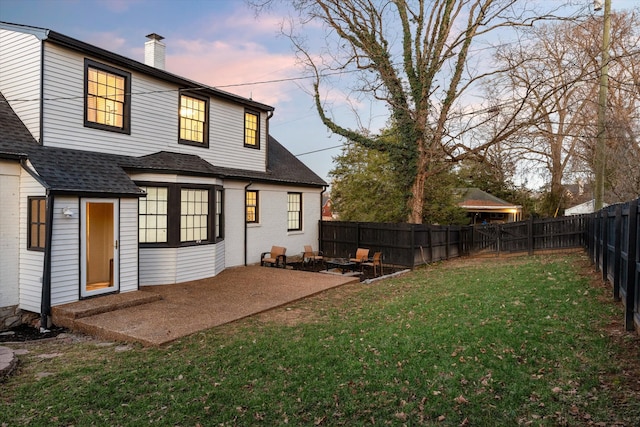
(99, 246)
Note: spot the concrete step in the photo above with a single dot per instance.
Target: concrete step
(65, 315)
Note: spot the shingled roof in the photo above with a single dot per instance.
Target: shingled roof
(77, 171)
(476, 198)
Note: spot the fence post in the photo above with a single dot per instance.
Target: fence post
(413, 246)
(447, 238)
(597, 238)
(617, 260)
(530, 235)
(431, 243)
(630, 298)
(605, 244)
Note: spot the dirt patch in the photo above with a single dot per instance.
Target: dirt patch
(24, 333)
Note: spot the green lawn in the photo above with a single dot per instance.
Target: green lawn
(518, 341)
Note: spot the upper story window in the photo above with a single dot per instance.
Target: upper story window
(107, 97)
(251, 206)
(194, 112)
(294, 211)
(252, 129)
(37, 223)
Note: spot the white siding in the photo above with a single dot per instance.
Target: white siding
(157, 266)
(160, 266)
(272, 228)
(31, 262)
(163, 266)
(9, 232)
(154, 118)
(128, 245)
(65, 252)
(20, 76)
(226, 142)
(196, 262)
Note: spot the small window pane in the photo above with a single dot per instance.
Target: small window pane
(153, 215)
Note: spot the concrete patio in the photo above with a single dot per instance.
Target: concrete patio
(156, 315)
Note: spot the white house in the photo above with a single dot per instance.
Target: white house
(116, 174)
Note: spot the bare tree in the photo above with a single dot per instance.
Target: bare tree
(561, 69)
(416, 58)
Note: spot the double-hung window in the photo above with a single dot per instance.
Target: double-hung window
(194, 215)
(251, 129)
(251, 206)
(294, 211)
(180, 214)
(219, 215)
(194, 123)
(107, 97)
(153, 215)
(37, 223)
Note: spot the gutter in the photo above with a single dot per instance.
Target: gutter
(324, 189)
(244, 215)
(45, 298)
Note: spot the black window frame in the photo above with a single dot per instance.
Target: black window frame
(256, 219)
(146, 214)
(126, 114)
(219, 220)
(42, 210)
(174, 213)
(299, 211)
(255, 146)
(205, 136)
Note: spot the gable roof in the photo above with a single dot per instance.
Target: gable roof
(46, 34)
(475, 198)
(76, 171)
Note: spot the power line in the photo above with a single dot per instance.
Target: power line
(319, 150)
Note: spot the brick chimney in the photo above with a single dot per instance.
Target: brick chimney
(154, 51)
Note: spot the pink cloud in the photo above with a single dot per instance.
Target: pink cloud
(222, 63)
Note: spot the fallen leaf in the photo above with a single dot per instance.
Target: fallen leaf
(461, 400)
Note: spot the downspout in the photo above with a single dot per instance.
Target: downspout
(45, 295)
(324, 188)
(245, 221)
(45, 298)
(266, 153)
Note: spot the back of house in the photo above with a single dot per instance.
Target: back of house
(116, 174)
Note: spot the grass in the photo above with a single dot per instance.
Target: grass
(522, 341)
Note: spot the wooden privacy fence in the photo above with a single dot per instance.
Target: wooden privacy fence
(415, 244)
(614, 247)
(401, 244)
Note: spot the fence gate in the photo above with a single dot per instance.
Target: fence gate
(485, 238)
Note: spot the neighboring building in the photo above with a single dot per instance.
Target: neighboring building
(327, 210)
(116, 174)
(484, 208)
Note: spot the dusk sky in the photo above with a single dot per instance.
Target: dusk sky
(220, 43)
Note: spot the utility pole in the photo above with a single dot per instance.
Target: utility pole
(600, 152)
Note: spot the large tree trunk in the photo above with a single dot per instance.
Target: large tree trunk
(416, 200)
